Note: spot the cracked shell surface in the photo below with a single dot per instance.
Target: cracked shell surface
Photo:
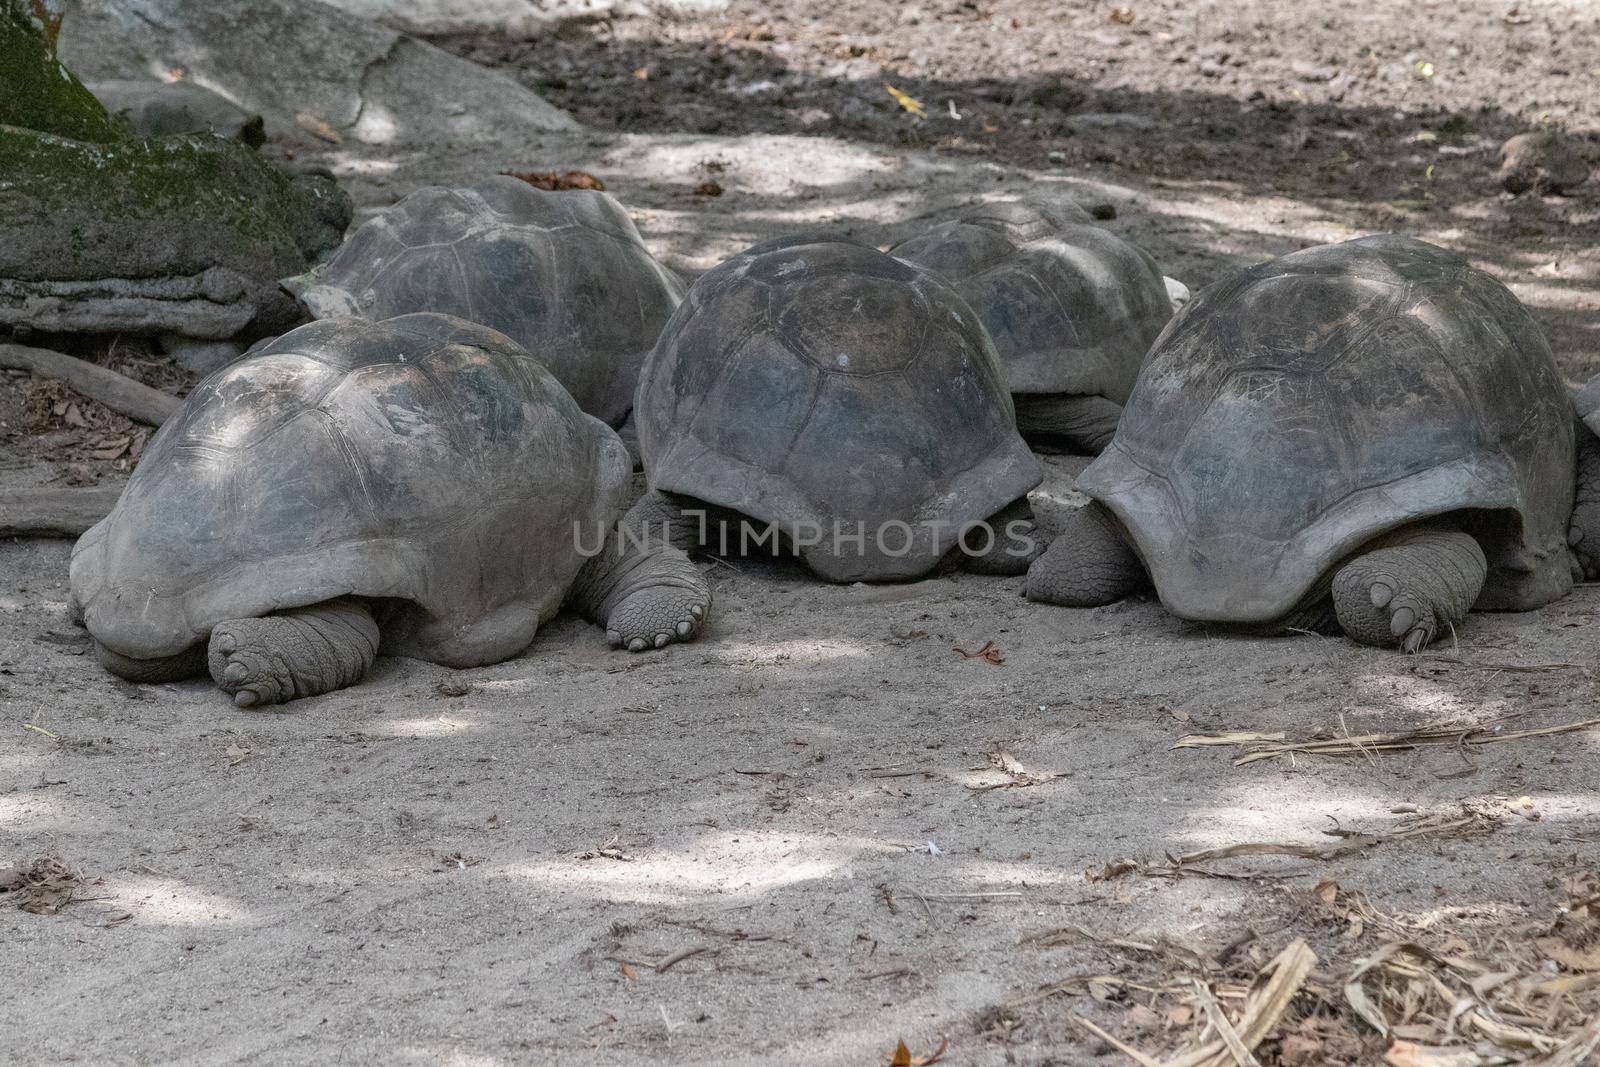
(1072, 308)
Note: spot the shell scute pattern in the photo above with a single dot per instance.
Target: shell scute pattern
(855, 389)
(566, 275)
(439, 464)
(1317, 401)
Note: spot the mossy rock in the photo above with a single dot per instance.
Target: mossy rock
(101, 231)
(36, 91)
(182, 235)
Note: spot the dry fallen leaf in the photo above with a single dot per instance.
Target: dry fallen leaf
(553, 182)
(1019, 776)
(906, 101)
(318, 128)
(44, 886)
(629, 973)
(902, 1057)
(113, 448)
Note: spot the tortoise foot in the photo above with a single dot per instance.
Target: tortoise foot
(1409, 587)
(1583, 529)
(296, 653)
(670, 604)
(1090, 563)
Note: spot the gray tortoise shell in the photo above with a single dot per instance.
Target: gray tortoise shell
(564, 274)
(1302, 407)
(811, 381)
(1072, 308)
(424, 460)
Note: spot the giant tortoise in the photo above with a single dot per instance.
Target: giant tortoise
(564, 274)
(846, 400)
(1072, 308)
(1371, 435)
(419, 487)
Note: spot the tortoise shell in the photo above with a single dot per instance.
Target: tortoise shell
(424, 461)
(811, 383)
(564, 274)
(1072, 308)
(1303, 407)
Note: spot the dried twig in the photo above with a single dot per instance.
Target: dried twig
(116, 391)
(1260, 746)
(989, 653)
(1120, 1045)
(1466, 823)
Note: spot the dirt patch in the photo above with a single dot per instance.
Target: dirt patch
(1386, 115)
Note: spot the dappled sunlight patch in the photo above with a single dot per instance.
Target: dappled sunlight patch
(1264, 811)
(1581, 808)
(794, 653)
(981, 876)
(454, 723)
(170, 902)
(377, 125)
(24, 812)
(1217, 206)
(747, 864)
(1396, 690)
(347, 165)
(829, 161)
(510, 686)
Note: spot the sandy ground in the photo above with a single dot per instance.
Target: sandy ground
(506, 865)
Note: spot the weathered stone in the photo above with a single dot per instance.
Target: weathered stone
(184, 234)
(515, 17)
(1541, 162)
(307, 66)
(103, 232)
(157, 109)
(36, 91)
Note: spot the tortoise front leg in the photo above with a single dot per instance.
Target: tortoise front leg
(1409, 585)
(1583, 529)
(642, 587)
(1087, 423)
(296, 653)
(1006, 543)
(1090, 562)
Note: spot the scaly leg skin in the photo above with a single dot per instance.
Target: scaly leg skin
(658, 519)
(1090, 562)
(1086, 422)
(1010, 543)
(1583, 529)
(643, 588)
(1409, 586)
(191, 663)
(629, 432)
(296, 653)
